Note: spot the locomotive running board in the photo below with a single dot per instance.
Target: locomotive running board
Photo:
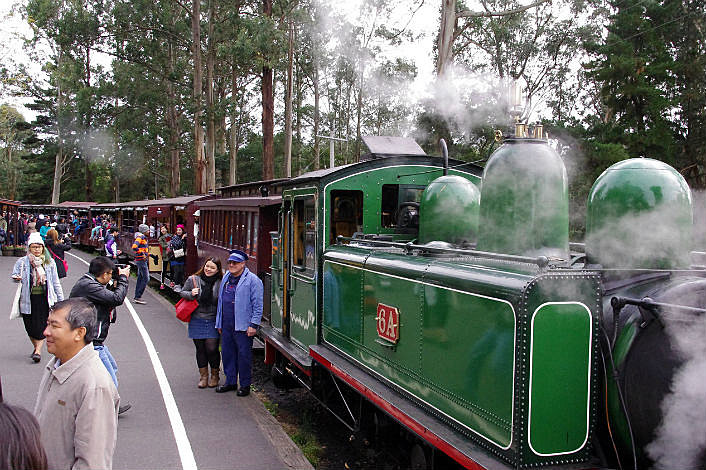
(274, 339)
(423, 424)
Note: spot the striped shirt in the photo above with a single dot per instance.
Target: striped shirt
(139, 247)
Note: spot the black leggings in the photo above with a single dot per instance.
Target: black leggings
(207, 353)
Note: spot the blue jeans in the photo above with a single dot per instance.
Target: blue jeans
(236, 349)
(143, 277)
(108, 362)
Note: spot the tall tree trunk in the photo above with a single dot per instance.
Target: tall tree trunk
(199, 163)
(298, 125)
(13, 174)
(233, 173)
(173, 125)
(317, 94)
(445, 40)
(88, 122)
(358, 138)
(210, 115)
(288, 105)
(348, 122)
(59, 159)
(268, 124)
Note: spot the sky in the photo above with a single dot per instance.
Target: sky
(12, 30)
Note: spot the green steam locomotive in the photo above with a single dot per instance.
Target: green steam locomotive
(448, 297)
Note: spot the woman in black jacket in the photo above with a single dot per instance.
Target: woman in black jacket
(57, 248)
(204, 287)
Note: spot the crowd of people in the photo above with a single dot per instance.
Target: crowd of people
(75, 419)
(16, 228)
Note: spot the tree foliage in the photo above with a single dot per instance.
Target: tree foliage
(119, 110)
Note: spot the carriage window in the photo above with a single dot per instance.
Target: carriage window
(400, 206)
(249, 234)
(346, 214)
(304, 234)
(240, 230)
(256, 220)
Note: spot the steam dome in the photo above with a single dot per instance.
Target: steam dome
(639, 215)
(525, 201)
(448, 211)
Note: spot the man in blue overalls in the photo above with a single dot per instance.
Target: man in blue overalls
(237, 319)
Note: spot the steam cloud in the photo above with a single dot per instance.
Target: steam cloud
(681, 437)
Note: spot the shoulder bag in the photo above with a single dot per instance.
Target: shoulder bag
(184, 308)
(15, 312)
(57, 259)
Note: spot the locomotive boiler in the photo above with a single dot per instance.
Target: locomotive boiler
(455, 305)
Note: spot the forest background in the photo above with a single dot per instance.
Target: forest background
(199, 94)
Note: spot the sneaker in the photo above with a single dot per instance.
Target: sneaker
(139, 301)
(124, 408)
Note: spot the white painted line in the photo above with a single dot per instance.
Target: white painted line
(186, 454)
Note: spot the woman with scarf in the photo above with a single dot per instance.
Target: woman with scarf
(40, 290)
(177, 251)
(203, 286)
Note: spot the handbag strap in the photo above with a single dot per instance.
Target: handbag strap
(52, 253)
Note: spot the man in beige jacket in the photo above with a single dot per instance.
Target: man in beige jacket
(77, 405)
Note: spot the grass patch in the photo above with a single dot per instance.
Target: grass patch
(309, 445)
(304, 437)
(271, 407)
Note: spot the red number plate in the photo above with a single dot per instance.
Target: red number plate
(388, 323)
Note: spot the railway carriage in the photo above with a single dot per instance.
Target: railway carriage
(171, 211)
(242, 223)
(11, 210)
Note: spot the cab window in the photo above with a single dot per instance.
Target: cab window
(400, 207)
(304, 235)
(346, 214)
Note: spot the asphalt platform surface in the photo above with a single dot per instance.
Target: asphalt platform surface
(172, 423)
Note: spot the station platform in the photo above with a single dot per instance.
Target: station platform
(172, 423)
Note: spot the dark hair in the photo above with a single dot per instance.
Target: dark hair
(82, 313)
(214, 260)
(113, 229)
(101, 265)
(20, 443)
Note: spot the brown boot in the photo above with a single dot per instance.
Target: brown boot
(204, 377)
(214, 378)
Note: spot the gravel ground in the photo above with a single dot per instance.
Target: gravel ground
(325, 441)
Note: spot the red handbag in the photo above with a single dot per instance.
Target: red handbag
(184, 308)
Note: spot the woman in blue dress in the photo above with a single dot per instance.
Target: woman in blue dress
(203, 286)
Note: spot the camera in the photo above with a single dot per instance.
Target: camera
(116, 273)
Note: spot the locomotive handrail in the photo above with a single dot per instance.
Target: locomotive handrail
(541, 261)
(619, 302)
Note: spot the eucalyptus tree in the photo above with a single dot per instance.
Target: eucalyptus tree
(152, 95)
(456, 19)
(72, 29)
